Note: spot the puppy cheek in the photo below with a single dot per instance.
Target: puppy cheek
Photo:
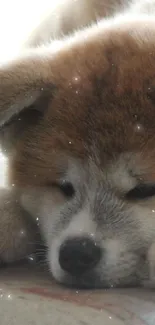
(53, 261)
(114, 249)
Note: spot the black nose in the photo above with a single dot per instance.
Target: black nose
(78, 255)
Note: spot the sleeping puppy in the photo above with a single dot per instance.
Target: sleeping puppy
(81, 113)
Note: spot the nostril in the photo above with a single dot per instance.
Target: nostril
(78, 255)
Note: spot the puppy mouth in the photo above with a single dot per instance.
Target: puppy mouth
(89, 282)
(94, 281)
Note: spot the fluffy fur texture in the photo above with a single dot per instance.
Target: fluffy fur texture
(77, 117)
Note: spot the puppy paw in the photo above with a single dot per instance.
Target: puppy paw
(150, 282)
(18, 232)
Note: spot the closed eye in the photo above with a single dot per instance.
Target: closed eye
(141, 192)
(66, 188)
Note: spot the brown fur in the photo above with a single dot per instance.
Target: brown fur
(114, 97)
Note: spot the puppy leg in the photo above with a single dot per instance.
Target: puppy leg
(18, 233)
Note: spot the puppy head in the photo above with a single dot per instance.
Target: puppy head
(85, 167)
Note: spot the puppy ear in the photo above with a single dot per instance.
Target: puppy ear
(25, 87)
(22, 82)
